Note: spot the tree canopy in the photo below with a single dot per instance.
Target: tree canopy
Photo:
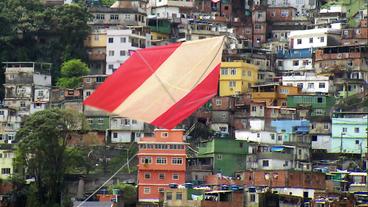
(42, 151)
(71, 73)
(32, 31)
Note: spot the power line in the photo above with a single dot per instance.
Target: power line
(107, 180)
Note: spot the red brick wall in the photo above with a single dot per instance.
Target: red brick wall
(277, 14)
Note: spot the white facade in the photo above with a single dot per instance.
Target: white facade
(257, 136)
(302, 6)
(275, 164)
(37, 107)
(309, 83)
(297, 64)
(42, 94)
(125, 130)
(257, 124)
(220, 127)
(120, 44)
(125, 136)
(312, 38)
(321, 142)
(166, 12)
(295, 191)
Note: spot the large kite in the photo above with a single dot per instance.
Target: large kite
(162, 85)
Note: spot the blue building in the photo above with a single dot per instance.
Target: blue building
(349, 135)
(288, 128)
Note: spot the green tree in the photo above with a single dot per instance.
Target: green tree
(71, 73)
(42, 151)
(32, 31)
(129, 193)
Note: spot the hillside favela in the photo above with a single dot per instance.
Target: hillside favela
(183, 103)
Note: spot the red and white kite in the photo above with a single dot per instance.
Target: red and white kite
(162, 85)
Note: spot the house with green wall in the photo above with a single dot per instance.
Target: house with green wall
(228, 155)
(320, 105)
(6, 161)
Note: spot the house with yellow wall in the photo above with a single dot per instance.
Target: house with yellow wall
(6, 162)
(96, 48)
(237, 78)
(273, 93)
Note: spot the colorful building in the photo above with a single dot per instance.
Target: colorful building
(319, 105)
(237, 78)
(96, 49)
(6, 161)
(273, 93)
(228, 155)
(349, 135)
(162, 161)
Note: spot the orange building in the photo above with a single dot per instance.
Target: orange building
(161, 162)
(273, 93)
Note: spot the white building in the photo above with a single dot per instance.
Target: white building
(321, 141)
(314, 38)
(169, 9)
(266, 137)
(121, 43)
(309, 83)
(302, 6)
(125, 130)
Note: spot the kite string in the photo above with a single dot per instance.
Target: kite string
(158, 78)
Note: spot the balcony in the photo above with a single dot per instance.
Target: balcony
(264, 95)
(338, 56)
(274, 155)
(97, 56)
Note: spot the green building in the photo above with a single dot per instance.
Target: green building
(228, 155)
(98, 123)
(320, 105)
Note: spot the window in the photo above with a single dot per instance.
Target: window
(252, 197)
(284, 13)
(111, 40)
(40, 93)
(114, 16)
(299, 41)
(122, 39)
(169, 196)
(295, 62)
(147, 176)
(111, 52)
(232, 84)
(344, 129)
(97, 37)
(258, 27)
(310, 85)
(134, 122)
(272, 136)
(265, 163)
(175, 176)
(164, 134)
(279, 137)
(326, 126)
(305, 62)
(319, 100)
(322, 39)
(179, 196)
(160, 190)
(258, 135)
(100, 16)
(249, 73)
(122, 53)
(2, 113)
(115, 135)
(161, 176)
(321, 85)
(254, 108)
(218, 102)
(100, 121)
(300, 152)
(127, 16)
(219, 157)
(299, 85)
(127, 122)
(147, 190)
(111, 67)
(356, 141)
(356, 130)
(146, 160)
(161, 160)
(224, 71)
(233, 71)
(177, 161)
(314, 138)
(311, 40)
(5, 171)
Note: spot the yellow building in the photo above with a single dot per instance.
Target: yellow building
(6, 163)
(96, 47)
(237, 78)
